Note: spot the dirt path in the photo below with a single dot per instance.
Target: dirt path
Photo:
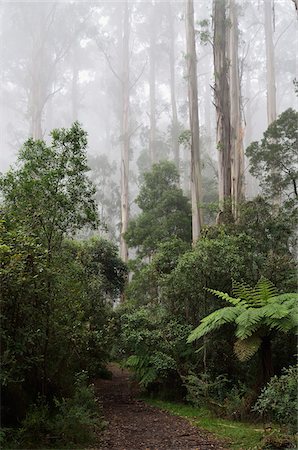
(134, 425)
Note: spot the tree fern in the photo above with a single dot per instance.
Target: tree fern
(215, 320)
(245, 349)
(256, 312)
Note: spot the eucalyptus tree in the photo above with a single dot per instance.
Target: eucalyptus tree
(228, 108)
(222, 103)
(196, 188)
(172, 60)
(237, 152)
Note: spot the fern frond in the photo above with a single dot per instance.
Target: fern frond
(264, 290)
(215, 320)
(226, 297)
(245, 292)
(245, 349)
(282, 298)
(248, 322)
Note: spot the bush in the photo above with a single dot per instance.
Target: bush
(154, 345)
(68, 422)
(278, 400)
(203, 391)
(219, 394)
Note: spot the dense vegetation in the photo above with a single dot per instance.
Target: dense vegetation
(56, 295)
(60, 282)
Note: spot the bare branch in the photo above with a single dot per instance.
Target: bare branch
(138, 77)
(108, 60)
(282, 33)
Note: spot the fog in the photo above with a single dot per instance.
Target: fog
(63, 61)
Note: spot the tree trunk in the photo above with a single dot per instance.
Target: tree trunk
(236, 129)
(196, 190)
(270, 69)
(266, 361)
(222, 104)
(270, 76)
(152, 62)
(74, 84)
(125, 137)
(175, 123)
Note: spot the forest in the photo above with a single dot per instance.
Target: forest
(148, 224)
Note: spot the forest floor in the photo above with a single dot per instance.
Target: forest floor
(135, 425)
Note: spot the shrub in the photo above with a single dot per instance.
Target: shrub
(278, 400)
(69, 422)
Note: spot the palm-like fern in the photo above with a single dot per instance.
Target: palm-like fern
(256, 312)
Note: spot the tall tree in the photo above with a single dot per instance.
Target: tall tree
(196, 190)
(237, 153)
(125, 135)
(175, 123)
(222, 103)
(152, 84)
(270, 66)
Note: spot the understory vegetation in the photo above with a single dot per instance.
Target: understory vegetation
(211, 325)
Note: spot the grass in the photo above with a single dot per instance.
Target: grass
(238, 435)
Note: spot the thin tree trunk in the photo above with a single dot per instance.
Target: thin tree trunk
(175, 123)
(270, 69)
(152, 82)
(222, 103)
(270, 75)
(237, 153)
(196, 190)
(125, 136)
(74, 84)
(266, 361)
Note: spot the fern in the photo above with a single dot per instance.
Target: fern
(245, 349)
(215, 320)
(264, 290)
(226, 297)
(253, 310)
(248, 322)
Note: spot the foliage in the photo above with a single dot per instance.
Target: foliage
(56, 294)
(274, 159)
(220, 394)
(50, 193)
(103, 174)
(166, 212)
(255, 312)
(153, 344)
(202, 391)
(278, 399)
(70, 422)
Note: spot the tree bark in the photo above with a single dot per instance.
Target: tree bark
(236, 128)
(266, 361)
(270, 69)
(270, 77)
(175, 123)
(74, 84)
(222, 104)
(152, 82)
(125, 137)
(196, 190)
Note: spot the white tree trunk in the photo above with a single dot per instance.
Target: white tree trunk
(125, 137)
(196, 190)
(237, 153)
(175, 123)
(152, 62)
(270, 69)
